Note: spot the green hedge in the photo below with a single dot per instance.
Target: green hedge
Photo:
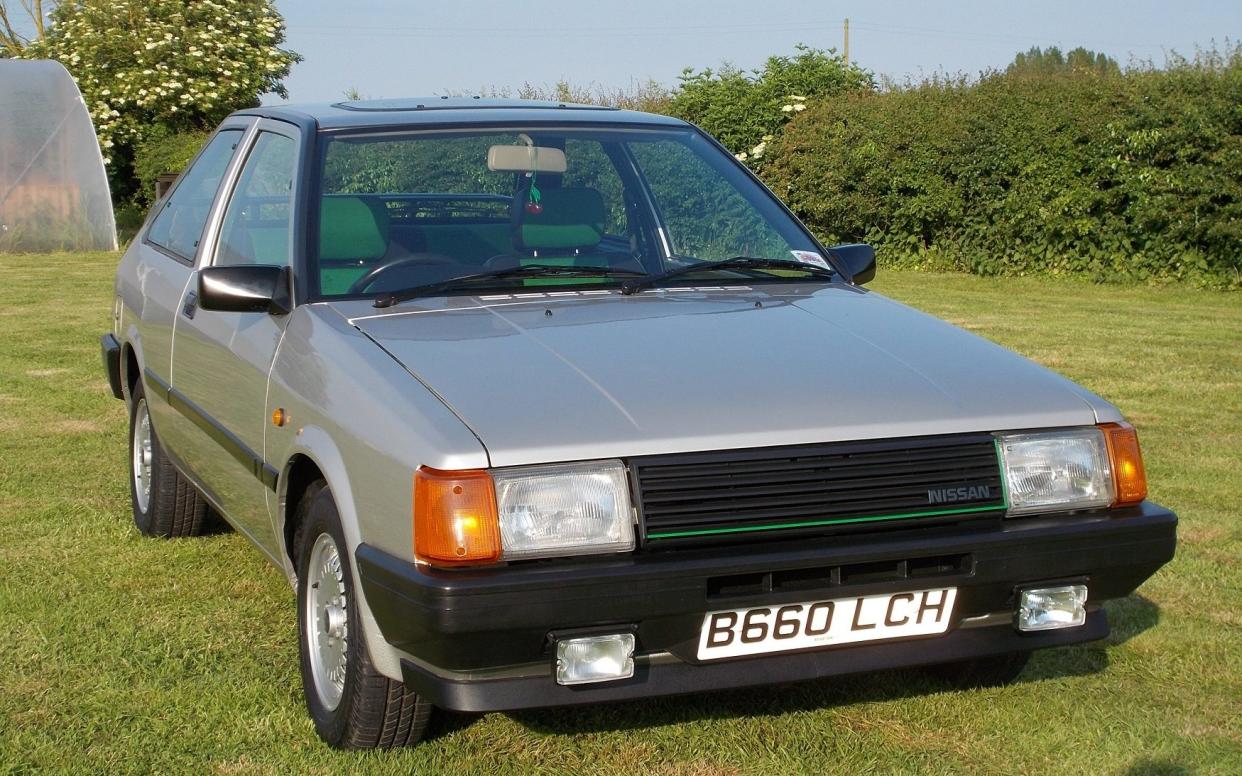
(1134, 175)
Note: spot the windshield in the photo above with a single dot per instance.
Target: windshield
(422, 208)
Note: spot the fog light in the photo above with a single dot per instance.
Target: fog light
(1048, 608)
(595, 658)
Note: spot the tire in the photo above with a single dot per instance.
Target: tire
(996, 671)
(165, 504)
(353, 705)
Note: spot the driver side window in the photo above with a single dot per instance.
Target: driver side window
(258, 221)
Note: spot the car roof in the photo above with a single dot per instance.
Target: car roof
(423, 111)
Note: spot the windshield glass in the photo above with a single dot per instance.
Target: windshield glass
(410, 209)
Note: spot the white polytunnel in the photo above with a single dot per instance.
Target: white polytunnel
(53, 185)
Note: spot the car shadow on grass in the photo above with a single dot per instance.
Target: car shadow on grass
(215, 525)
(1158, 768)
(1128, 617)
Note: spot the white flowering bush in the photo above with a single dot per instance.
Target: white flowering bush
(165, 65)
(796, 103)
(748, 110)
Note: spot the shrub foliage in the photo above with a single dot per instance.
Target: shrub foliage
(164, 151)
(743, 109)
(1134, 175)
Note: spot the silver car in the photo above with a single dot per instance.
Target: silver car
(540, 404)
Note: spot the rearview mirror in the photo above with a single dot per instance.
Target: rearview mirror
(247, 288)
(858, 259)
(524, 158)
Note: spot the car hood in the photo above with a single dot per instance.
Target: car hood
(564, 376)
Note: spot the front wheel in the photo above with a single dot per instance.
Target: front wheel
(352, 704)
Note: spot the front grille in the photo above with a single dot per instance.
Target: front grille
(786, 580)
(816, 488)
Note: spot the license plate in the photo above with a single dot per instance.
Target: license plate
(736, 632)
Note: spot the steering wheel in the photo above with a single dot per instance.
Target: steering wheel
(502, 261)
(361, 285)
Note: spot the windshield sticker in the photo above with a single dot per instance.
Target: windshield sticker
(811, 257)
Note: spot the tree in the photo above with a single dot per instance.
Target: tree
(745, 110)
(1037, 61)
(12, 40)
(151, 66)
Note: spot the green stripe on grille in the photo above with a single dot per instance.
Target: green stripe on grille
(834, 521)
(1004, 505)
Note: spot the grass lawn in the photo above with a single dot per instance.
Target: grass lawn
(119, 653)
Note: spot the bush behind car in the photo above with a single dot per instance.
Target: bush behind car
(1128, 176)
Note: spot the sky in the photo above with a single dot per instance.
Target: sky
(396, 48)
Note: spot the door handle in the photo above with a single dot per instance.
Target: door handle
(190, 306)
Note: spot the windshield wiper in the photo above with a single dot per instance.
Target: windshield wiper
(737, 262)
(526, 271)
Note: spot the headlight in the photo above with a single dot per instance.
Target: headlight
(1057, 470)
(569, 509)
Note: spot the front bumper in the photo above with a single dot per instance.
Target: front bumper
(482, 638)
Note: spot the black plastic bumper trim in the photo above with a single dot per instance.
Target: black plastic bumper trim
(463, 625)
(110, 351)
(654, 678)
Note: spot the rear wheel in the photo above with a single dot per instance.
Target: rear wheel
(352, 704)
(164, 503)
(995, 671)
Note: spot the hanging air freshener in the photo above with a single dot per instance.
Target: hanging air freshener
(533, 204)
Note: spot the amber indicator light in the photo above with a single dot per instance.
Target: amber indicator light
(1129, 477)
(455, 519)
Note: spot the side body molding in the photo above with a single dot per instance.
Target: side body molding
(225, 438)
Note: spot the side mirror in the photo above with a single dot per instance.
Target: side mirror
(858, 260)
(247, 288)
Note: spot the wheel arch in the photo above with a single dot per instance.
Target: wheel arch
(313, 456)
(316, 456)
(131, 371)
(300, 471)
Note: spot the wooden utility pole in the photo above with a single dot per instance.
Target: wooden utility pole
(847, 40)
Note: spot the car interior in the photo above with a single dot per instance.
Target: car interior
(372, 242)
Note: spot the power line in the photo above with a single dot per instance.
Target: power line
(685, 30)
(545, 31)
